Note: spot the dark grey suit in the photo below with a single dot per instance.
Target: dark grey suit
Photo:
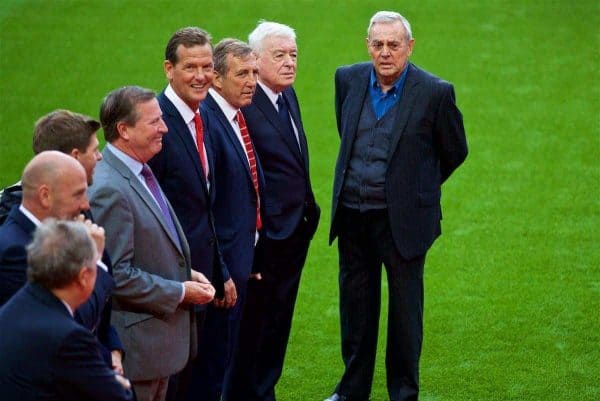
(158, 333)
(427, 142)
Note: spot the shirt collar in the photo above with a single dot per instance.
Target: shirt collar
(184, 110)
(68, 307)
(270, 94)
(397, 85)
(30, 215)
(227, 109)
(133, 165)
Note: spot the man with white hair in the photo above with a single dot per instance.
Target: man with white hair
(401, 138)
(291, 216)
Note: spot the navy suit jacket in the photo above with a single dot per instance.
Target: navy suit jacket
(15, 234)
(287, 197)
(235, 197)
(428, 143)
(47, 355)
(177, 167)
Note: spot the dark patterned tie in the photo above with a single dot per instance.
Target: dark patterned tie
(284, 116)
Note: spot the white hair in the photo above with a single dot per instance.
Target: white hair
(388, 17)
(266, 29)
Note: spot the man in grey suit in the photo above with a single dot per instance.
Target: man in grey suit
(155, 285)
(401, 138)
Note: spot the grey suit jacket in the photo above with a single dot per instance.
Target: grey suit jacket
(149, 266)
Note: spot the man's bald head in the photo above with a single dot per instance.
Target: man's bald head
(54, 185)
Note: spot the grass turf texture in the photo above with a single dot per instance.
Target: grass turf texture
(513, 283)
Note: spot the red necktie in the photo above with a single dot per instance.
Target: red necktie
(251, 161)
(200, 142)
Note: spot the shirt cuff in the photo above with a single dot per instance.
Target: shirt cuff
(182, 293)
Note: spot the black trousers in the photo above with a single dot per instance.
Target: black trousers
(365, 243)
(267, 318)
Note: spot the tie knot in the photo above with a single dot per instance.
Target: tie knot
(197, 118)
(280, 101)
(146, 172)
(239, 118)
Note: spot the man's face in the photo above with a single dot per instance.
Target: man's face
(277, 62)
(143, 140)
(67, 194)
(192, 75)
(389, 49)
(239, 83)
(89, 158)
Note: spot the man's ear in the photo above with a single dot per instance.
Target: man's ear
(75, 153)
(44, 196)
(168, 67)
(123, 130)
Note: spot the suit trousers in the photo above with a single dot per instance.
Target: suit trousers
(267, 318)
(365, 243)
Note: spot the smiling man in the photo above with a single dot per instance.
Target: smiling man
(401, 138)
(184, 168)
(155, 287)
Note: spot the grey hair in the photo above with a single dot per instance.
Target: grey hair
(236, 48)
(60, 249)
(266, 29)
(388, 17)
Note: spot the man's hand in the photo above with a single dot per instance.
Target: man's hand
(230, 297)
(198, 293)
(123, 382)
(199, 277)
(96, 232)
(117, 361)
(255, 276)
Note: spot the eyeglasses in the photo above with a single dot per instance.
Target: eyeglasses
(393, 46)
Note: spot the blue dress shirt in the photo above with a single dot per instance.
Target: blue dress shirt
(382, 102)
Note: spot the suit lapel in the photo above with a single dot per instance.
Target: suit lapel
(355, 99)
(183, 134)
(229, 133)
(144, 195)
(262, 102)
(407, 102)
(295, 112)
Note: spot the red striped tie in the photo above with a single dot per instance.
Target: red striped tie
(200, 142)
(251, 161)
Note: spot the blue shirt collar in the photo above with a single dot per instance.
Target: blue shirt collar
(398, 85)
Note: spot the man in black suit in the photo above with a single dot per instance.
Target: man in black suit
(184, 169)
(401, 138)
(290, 212)
(46, 354)
(238, 182)
(73, 134)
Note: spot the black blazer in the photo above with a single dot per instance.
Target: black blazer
(234, 191)
(288, 197)
(177, 168)
(428, 144)
(48, 355)
(15, 234)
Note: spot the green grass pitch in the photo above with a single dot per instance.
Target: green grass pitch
(513, 284)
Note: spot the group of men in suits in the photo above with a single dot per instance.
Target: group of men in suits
(207, 227)
(205, 195)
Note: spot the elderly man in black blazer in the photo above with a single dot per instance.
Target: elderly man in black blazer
(401, 138)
